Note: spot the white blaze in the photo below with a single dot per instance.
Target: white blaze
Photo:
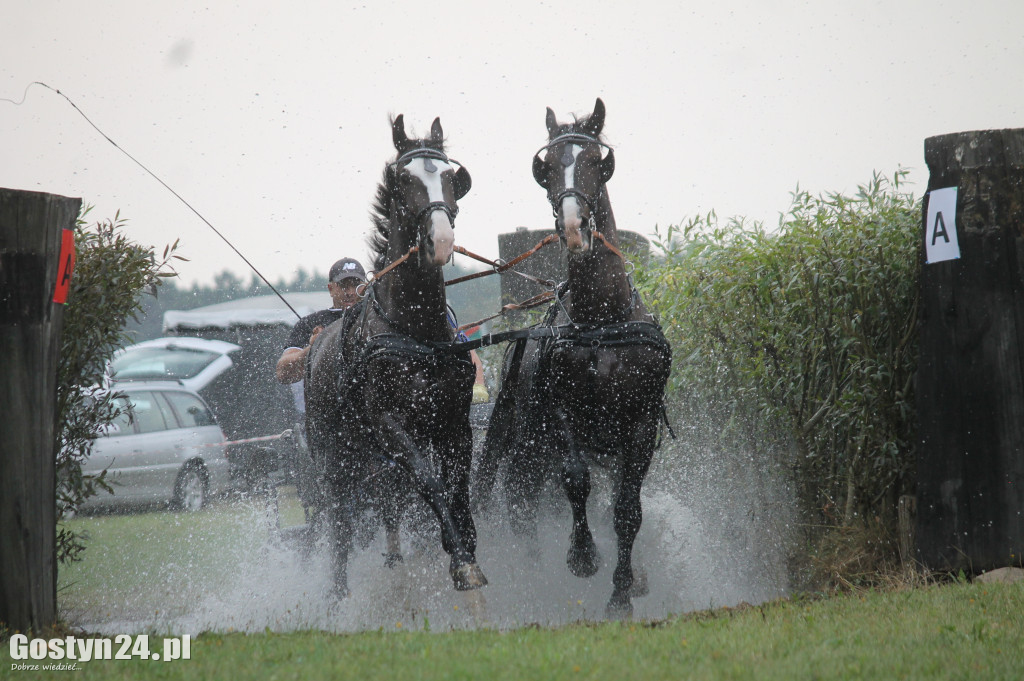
(571, 213)
(442, 232)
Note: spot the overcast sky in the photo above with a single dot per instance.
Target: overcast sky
(271, 118)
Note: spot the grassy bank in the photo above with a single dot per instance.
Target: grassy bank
(139, 563)
(955, 631)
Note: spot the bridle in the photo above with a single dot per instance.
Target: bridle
(567, 159)
(429, 155)
(420, 219)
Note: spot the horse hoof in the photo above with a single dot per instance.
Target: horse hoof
(640, 588)
(392, 559)
(619, 607)
(468, 577)
(582, 560)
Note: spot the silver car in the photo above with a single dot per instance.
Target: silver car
(195, 362)
(170, 449)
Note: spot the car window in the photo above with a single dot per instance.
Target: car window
(161, 363)
(149, 417)
(191, 411)
(122, 425)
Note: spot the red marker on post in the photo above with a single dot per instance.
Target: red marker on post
(66, 266)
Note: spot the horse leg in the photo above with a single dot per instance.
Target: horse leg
(456, 461)
(464, 571)
(330, 514)
(582, 559)
(629, 515)
(339, 542)
(388, 498)
(456, 466)
(523, 482)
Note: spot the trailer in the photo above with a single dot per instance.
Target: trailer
(251, 406)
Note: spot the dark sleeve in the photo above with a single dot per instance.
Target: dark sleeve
(299, 337)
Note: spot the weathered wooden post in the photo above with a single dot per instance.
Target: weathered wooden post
(550, 262)
(970, 382)
(32, 269)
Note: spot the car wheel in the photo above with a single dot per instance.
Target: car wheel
(191, 488)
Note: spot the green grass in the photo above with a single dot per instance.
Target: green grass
(141, 565)
(956, 631)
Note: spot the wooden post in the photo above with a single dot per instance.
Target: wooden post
(550, 262)
(970, 381)
(31, 228)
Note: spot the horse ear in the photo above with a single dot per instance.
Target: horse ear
(596, 121)
(398, 135)
(540, 170)
(551, 123)
(608, 166)
(461, 183)
(436, 134)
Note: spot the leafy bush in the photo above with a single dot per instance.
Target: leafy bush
(111, 274)
(803, 336)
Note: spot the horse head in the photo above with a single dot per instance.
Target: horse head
(422, 189)
(570, 167)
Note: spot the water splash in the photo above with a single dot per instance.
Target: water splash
(714, 534)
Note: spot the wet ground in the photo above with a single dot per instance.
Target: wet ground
(713, 535)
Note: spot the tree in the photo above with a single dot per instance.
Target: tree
(111, 275)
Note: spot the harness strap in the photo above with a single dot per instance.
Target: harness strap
(535, 301)
(500, 267)
(608, 244)
(375, 276)
(610, 335)
(616, 335)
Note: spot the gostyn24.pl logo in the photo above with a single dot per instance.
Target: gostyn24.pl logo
(72, 649)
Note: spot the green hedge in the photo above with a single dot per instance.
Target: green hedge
(111, 274)
(801, 340)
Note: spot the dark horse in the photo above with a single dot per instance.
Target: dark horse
(593, 390)
(377, 389)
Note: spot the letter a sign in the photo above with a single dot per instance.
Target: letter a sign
(940, 229)
(66, 266)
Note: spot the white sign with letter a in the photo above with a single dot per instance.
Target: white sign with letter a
(940, 229)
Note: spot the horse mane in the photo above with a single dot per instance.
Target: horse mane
(380, 216)
(579, 125)
(380, 210)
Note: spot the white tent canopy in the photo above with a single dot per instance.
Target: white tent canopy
(257, 310)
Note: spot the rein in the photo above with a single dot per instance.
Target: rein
(363, 289)
(499, 267)
(609, 245)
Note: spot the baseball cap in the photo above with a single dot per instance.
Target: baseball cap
(346, 268)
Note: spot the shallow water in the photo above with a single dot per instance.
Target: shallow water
(714, 534)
